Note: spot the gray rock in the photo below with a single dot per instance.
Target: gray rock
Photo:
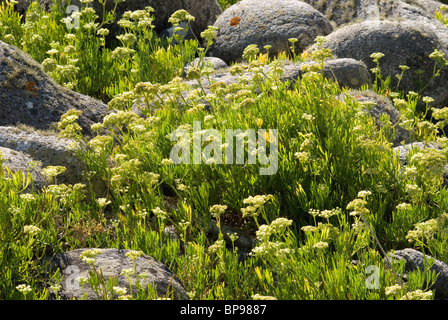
(112, 262)
(415, 260)
(29, 96)
(403, 43)
(343, 12)
(169, 32)
(49, 150)
(215, 63)
(377, 106)
(402, 151)
(244, 242)
(267, 23)
(204, 11)
(18, 161)
(349, 73)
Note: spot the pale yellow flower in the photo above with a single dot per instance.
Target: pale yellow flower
(31, 230)
(133, 255)
(321, 245)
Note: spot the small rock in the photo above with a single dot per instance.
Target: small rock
(49, 150)
(403, 150)
(415, 260)
(349, 73)
(215, 63)
(379, 105)
(112, 262)
(18, 161)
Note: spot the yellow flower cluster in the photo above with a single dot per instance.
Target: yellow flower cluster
(133, 255)
(426, 230)
(254, 204)
(31, 230)
(88, 256)
(217, 210)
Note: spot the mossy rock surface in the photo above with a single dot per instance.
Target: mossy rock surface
(403, 43)
(267, 23)
(343, 12)
(29, 96)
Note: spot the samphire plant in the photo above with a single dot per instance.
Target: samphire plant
(339, 197)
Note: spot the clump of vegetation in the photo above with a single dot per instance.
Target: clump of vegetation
(339, 198)
(227, 3)
(73, 49)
